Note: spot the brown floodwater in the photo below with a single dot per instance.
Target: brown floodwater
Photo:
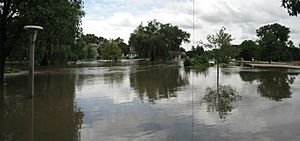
(145, 101)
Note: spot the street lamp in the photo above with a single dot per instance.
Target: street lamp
(35, 29)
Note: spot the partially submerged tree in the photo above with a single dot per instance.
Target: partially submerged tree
(124, 47)
(195, 51)
(60, 18)
(156, 40)
(249, 50)
(221, 44)
(111, 51)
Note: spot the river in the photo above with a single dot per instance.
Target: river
(144, 101)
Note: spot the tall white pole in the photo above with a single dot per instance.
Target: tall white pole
(31, 65)
(31, 58)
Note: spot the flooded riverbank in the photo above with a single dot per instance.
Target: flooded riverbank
(142, 101)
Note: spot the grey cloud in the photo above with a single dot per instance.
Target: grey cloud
(240, 17)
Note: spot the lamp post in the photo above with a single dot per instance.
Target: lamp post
(35, 29)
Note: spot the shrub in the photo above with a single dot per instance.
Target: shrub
(199, 62)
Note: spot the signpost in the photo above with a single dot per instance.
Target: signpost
(31, 57)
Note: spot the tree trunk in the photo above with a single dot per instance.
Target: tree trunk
(269, 61)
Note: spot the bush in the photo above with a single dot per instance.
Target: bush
(199, 62)
(187, 62)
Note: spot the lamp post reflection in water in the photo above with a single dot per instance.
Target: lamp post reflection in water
(31, 72)
(1, 111)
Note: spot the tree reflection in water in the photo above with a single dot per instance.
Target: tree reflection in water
(114, 78)
(204, 72)
(160, 83)
(50, 115)
(220, 99)
(274, 85)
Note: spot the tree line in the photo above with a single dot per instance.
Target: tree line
(273, 44)
(61, 20)
(62, 40)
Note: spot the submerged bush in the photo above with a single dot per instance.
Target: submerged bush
(198, 62)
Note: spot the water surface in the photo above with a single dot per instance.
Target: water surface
(144, 101)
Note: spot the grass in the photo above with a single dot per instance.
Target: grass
(266, 62)
(11, 70)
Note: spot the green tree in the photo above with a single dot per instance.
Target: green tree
(221, 44)
(60, 18)
(156, 40)
(249, 49)
(293, 6)
(195, 51)
(11, 15)
(124, 47)
(111, 51)
(273, 39)
(90, 52)
(79, 49)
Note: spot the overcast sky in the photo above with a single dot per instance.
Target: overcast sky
(241, 18)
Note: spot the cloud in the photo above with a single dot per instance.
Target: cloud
(118, 18)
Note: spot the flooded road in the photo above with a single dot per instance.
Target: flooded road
(152, 102)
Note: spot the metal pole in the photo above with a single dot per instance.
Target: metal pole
(35, 29)
(31, 65)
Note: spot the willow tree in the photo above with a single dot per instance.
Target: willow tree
(60, 18)
(156, 40)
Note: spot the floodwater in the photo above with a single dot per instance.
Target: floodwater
(152, 102)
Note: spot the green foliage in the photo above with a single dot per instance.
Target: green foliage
(187, 62)
(90, 53)
(60, 19)
(61, 54)
(79, 49)
(294, 54)
(249, 49)
(273, 39)
(124, 47)
(221, 45)
(198, 62)
(93, 39)
(111, 51)
(293, 6)
(156, 40)
(195, 51)
(11, 70)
